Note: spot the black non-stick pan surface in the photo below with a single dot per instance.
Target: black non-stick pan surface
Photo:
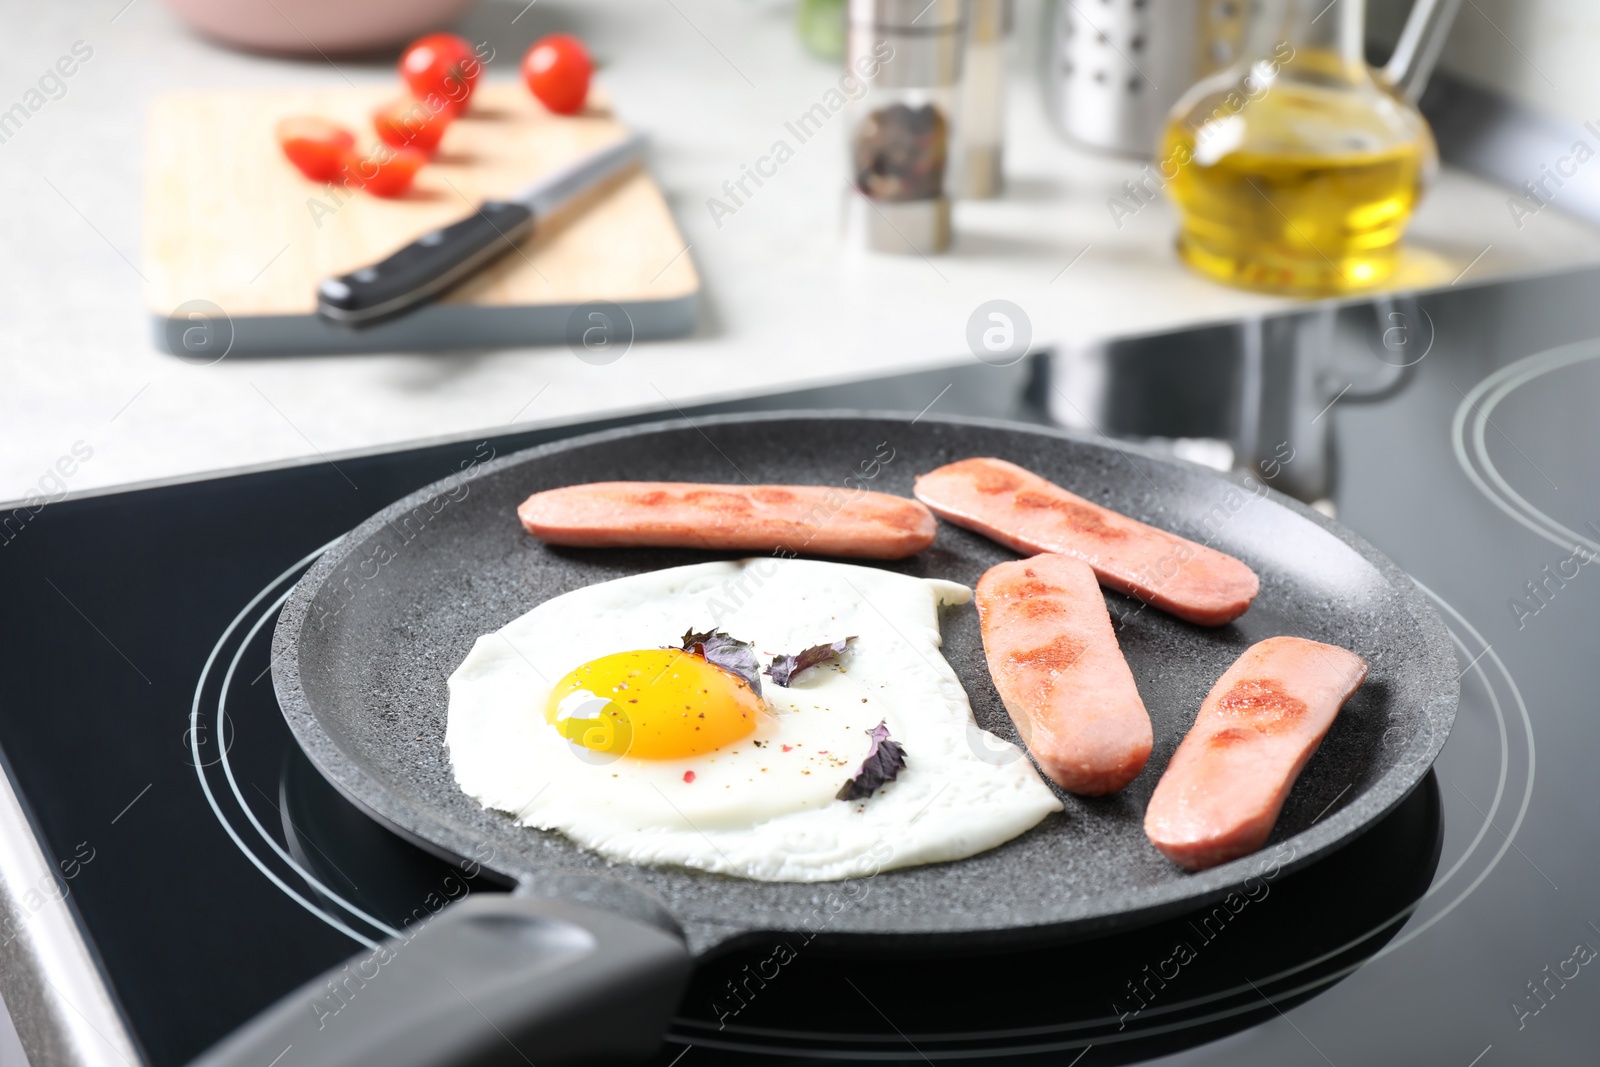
(366, 642)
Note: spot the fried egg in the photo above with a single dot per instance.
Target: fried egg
(585, 716)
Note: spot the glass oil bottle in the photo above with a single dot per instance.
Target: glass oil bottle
(1297, 170)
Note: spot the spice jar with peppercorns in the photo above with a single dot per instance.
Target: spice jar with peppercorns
(903, 127)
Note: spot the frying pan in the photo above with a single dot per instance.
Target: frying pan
(586, 959)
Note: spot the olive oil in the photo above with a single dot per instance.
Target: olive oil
(1302, 185)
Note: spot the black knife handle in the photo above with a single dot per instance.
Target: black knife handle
(424, 268)
(491, 979)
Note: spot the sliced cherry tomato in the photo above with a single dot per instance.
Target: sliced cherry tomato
(314, 145)
(443, 65)
(412, 123)
(557, 71)
(385, 171)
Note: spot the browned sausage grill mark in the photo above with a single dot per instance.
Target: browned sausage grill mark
(1061, 653)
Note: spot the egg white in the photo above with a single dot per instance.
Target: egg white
(752, 810)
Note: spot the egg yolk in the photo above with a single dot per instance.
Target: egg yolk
(659, 703)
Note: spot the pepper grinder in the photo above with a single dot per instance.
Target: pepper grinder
(908, 54)
(983, 99)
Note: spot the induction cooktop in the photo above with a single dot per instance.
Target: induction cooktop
(211, 870)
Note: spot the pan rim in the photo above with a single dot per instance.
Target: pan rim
(612, 889)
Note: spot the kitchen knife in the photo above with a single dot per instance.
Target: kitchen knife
(438, 260)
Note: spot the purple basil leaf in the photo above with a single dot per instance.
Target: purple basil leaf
(784, 668)
(885, 760)
(732, 655)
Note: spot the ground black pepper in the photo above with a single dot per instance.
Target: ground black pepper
(900, 153)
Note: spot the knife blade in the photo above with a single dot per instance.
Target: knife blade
(443, 258)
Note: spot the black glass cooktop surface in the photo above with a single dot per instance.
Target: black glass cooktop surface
(213, 870)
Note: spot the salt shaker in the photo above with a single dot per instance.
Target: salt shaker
(903, 144)
(983, 99)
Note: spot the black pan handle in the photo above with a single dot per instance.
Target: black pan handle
(493, 979)
(424, 268)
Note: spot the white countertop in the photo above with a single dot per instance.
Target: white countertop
(785, 304)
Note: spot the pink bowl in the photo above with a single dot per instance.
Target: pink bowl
(305, 27)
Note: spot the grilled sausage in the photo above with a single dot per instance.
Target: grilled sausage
(1028, 514)
(1222, 792)
(816, 519)
(1055, 661)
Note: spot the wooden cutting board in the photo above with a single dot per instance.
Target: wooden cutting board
(235, 239)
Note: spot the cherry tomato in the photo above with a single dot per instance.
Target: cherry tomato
(557, 71)
(314, 145)
(413, 124)
(384, 172)
(441, 64)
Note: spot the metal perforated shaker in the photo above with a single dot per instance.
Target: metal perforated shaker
(1113, 68)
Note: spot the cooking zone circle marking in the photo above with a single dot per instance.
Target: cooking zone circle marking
(1476, 668)
(205, 785)
(1480, 403)
(238, 795)
(687, 1031)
